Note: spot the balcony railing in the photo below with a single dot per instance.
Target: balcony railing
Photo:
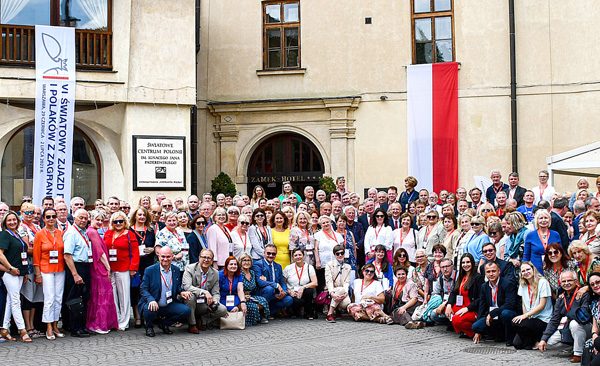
(93, 49)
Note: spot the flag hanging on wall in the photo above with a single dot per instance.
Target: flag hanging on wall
(54, 112)
(432, 98)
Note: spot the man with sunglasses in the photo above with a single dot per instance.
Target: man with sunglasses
(78, 258)
(269, 277)
(507, 270)
(202, 280)
(442, 288)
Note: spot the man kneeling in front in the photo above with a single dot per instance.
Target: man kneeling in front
(161, 295)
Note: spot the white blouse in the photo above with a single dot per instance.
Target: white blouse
(384, 236)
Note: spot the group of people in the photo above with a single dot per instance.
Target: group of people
(511, 264)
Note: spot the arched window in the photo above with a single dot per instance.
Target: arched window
(17, 167)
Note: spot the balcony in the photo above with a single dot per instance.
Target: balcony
(93, 48)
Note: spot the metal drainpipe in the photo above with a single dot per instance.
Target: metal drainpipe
(513, 86)
(194, 112)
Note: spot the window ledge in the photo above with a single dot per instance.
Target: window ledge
(280, 72)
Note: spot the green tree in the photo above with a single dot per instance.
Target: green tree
(222, 184)
(327, 184)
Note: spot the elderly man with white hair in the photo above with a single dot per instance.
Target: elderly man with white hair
(496, 187)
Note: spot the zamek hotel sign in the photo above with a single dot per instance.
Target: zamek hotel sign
(283, 178)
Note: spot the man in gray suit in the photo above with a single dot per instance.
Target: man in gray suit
(202, 280)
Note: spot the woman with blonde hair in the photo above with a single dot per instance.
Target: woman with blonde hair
(586, 262)
(301, 236)
(591, 238)
(536, 296)
(218, 237)
(537, 240)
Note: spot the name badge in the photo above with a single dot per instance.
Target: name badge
(201, 300)
(347, 253)
(446, 297)
(112, 253)
(141, 249)
(169, 296)
(53, 257)
(309, 252)
(24, 258)
(563, 323)
(230, 300)
(185, 250)
(459, 300)
(90, 258)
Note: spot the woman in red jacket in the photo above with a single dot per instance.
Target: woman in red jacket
(124, 259)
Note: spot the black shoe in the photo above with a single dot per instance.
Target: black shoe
(150, 332)
(166, 330)
(85, 332)
(509, 343)
(79, 334)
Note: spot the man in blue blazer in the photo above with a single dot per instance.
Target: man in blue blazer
(271, 285)
(160, 294)
(498, 306)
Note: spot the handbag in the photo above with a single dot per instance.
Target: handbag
(323, 298)
(418, 314)
(235, 321)
(75, 300)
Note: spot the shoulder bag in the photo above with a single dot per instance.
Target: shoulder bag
(234, 321)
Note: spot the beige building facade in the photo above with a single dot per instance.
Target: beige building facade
(135, 76)
(340, 87)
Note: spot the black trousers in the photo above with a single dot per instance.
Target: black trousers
(528, 332)
(76, 320)
(306, 302)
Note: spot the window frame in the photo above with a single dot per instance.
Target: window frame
(282, 25)
(431, 15)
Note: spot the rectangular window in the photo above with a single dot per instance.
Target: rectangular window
(281, 35)
(432, 31)
(90, 18)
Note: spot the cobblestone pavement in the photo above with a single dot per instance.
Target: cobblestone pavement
(295, 342)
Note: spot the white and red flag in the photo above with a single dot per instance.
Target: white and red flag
(432, 98)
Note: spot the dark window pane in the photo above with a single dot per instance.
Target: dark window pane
(279, 157)
(423, 30)
(316, 162)
(84, 14)
(422, 6)
(291, 12)
(443, 28)
(273, 13)
(275, 59)
(423, 53)
(442, 5)
(25, 12)
(296, 155)
(443, 51)
(306, 158)
(291, 37)
(291, 57)
(268, 159)
(274, 38)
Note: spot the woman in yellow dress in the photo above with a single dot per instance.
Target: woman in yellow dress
(281, 237)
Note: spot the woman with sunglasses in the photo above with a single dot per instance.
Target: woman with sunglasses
(124, 259)
(514, 226)
(497, 236)
(258, 306)
(379, 232)
(139, 225)
(401, 259)
(197, 238)
(101, 311)
(536, 296)
(537, 240)
(476, 241)
(486, 209)
(337, 282)
(15, 263)
(405, 237)
(301, 281)
(49, 267)
(463, 302)
(302, 238)
(418, 276)
(431, 233)
(31, 291)
(259, 233)
(369, 297)
(555, 262)
(240, 238)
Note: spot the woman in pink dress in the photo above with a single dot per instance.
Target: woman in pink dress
(101, 313)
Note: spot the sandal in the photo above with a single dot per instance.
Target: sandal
(4, 333)
(25, 338)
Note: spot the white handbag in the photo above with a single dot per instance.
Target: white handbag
(235, 321)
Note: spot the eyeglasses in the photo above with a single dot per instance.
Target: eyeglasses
(246, 260)
(155, 212)
(595, 283)
(48, 217)
(368, 271)
(446, 266)
(232, 213)
(245, 223)
(339, 253)
(28, 212)
(198, 223)
(167, 205)
(553, 252)
(402, 255)
(432, 217)
(206, 258)
(259, 215)
(488, 250)
(542, 176)
(486, 210)
(493, 233)
(118, 222)
(476, 224)
(379, 216)
(270, 254)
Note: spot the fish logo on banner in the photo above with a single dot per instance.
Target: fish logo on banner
(54, 112)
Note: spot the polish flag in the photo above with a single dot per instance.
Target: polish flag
(432, 97)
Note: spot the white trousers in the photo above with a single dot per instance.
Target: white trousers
(121, 282)
(13, 301)
(580, 334)
(53, 284)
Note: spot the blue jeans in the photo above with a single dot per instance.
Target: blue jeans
(500, 328)
(275, 305)
(170, 314)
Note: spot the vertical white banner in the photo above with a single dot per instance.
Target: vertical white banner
(54, 112)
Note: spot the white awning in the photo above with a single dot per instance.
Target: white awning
(576, 161)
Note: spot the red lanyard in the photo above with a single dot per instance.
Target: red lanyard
(362, 286)
(583, 271)
(230, 285)
(332, 237)
(377, 232)
(244, 237)
(542, 192)
(32, 228)
(494, 294)
(378, 271)
(299, 274)
(167, 284)
(544, 242)
(568, 308)
(399, 290)
(306, 234)
(142, 238)
(51, 235)
(450, 233)
(263, 231)
(176, 234)
(531, 298)
(427, 232)
(463, 282)
(402, 236)
(87, 241)
(203, 282)
(226, 232)
(591, 239)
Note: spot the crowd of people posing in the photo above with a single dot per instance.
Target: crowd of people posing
(509, 264)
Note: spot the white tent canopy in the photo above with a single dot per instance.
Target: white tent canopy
(573, 161)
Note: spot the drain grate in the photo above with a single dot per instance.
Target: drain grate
(489, 350)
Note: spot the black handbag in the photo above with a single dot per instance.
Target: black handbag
(75, 299)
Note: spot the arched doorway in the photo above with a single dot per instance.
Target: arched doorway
(17, 167)
(285, 157)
